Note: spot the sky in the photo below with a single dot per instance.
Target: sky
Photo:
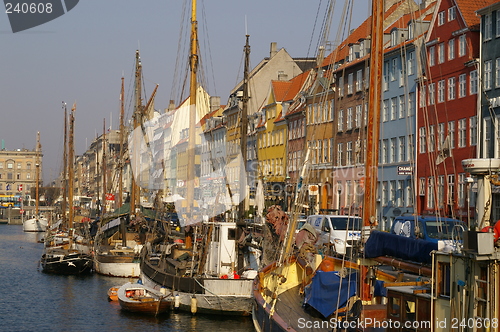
(81, 56)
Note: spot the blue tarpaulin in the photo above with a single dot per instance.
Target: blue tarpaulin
(386, 244)
(323, 292)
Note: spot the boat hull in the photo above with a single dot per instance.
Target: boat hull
(149, 301)
(35, 225)
(66, 262)
(213, 295)
(117, 266)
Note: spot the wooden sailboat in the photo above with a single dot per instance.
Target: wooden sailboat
(202, 269)
(303, 290)
(117, 243)
(70, 257)
(37, 223)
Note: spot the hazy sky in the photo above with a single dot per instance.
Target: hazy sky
(82, 55)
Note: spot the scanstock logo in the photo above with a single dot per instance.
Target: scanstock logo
(158, 150)
(26, 14)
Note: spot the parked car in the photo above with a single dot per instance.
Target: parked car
(429, 228)
(341, 232)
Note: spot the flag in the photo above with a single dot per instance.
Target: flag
(445, 151)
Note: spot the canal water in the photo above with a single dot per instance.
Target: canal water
(33, 301)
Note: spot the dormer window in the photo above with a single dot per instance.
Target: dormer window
(411, 30)
(353, 52)
(362, 49)
(452, 13)
(394, 37)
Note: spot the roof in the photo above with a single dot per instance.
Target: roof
(468, 10)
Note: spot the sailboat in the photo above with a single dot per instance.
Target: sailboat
(118, 243)
(203, 269)
(37, 223)
(67, 257)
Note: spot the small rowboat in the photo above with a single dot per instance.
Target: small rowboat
(139, 298)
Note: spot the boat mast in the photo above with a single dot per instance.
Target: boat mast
(65, 165)
(37, 165)
(70, 165)
(120, 159)
(373, 126)
(103, 204)
(192, 110)
(373, 131)
(243, 141)
(137, 121)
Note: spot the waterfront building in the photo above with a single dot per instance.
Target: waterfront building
(398, 114)
(447, 105)
(18, 171)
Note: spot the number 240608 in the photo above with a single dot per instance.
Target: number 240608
(28, 8)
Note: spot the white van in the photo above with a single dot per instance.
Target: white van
(341, 231)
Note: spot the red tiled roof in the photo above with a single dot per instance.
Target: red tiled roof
(468, 7)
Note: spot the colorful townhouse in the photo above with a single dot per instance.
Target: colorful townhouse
(447, 105)
(398, 114)
(489, 107)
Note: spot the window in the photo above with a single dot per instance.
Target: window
(422, 97)
(440, 191)
(350, 79)
(461, 190)
(359, 80)
(432, 56)
(359, 115)
(340, 150)
(452, 13)
(451, 133)
(394, 108)
(393, 150)
(432, 94)
(386, 75)
(422, 140)
(451, 49)
(340, 123)
(462, 45)
(394, 68)
(348, 155)
(10, 165)
(385, 151)
(497, 72)
(367, 76)
(341, 86)
(473, 82)
(451, 88)
(440, 93)
(444, 286)
(430, 192)
(432, 138)
(349, 118)
(462, 85)
(462, 133)
(402, 148)
(421, 186)
(498, 24)
(441, 53)
(402, 106)
(400, 199)
(411, 103)
(385, 114)
(487, 75)
(487, 27)
(441, 18)
(411, 63)
(473, 130)
(440, 135)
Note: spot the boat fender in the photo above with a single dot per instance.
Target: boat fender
(194, 304)
(177, 301)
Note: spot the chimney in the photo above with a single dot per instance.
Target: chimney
(273, 50)
(171, 105)
(214, 103)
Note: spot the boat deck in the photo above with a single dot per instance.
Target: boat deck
(289, 308)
